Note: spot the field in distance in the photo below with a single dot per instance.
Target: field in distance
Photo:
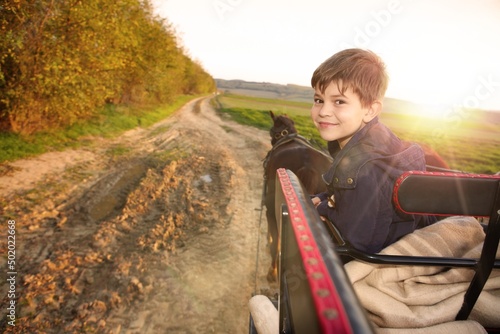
(467, 140)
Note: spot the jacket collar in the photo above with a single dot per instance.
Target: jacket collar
(374, 142)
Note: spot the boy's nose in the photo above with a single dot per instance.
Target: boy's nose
(326, 110)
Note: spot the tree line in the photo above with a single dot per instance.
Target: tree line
(60, 61)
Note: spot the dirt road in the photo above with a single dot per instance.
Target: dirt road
(152, 232)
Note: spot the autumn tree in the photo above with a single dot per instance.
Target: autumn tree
(62, 60)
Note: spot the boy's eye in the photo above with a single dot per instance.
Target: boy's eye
(318, 101)
(339, 101)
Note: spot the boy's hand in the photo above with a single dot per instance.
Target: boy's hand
(316, 201)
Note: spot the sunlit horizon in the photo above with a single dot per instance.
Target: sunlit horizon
(437, 52)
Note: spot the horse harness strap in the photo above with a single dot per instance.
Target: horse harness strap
(285, 140)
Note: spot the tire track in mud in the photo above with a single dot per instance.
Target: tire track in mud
(162, 240)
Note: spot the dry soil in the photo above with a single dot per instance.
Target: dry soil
(157, 231)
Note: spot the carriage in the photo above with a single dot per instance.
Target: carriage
(437, 280)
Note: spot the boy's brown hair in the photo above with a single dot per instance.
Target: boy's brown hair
(361, 70)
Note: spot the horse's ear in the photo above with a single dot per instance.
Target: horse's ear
(272, 115)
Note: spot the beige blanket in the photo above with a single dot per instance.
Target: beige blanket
(416, 296)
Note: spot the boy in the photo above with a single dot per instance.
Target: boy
(368, 157)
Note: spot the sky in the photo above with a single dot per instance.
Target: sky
(441, 53)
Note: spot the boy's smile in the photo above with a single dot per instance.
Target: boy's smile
(339, 117)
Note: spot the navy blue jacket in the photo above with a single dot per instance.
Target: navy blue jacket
(361, 179)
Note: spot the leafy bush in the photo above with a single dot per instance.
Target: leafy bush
(62, 61)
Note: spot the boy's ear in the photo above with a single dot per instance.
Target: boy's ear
(373, 111)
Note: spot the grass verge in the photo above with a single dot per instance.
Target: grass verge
(111, 121)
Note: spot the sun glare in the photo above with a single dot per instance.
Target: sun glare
(433, 111)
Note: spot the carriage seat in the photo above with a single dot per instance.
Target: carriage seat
(444, 194)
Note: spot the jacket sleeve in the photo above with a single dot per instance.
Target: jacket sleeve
(322, 196)
(363, 215)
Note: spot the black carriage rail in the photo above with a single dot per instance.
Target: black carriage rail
(315, 293)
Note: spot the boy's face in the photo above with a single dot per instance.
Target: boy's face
(339, 117)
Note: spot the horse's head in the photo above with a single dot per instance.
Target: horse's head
(282, 126)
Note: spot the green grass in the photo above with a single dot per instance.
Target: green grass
(468, 144)
(111, 121)
(118, 150)
(254, 111)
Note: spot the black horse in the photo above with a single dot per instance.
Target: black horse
(296, 153)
